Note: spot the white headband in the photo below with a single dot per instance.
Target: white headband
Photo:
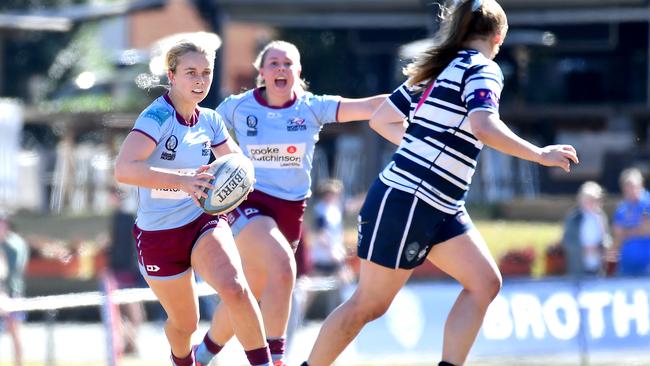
(476, 4)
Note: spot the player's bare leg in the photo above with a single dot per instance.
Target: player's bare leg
(467, 259)
(375, 292)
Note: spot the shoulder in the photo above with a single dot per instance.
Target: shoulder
(158, 112)
(310, 98)
(236, 98)
(481, 64)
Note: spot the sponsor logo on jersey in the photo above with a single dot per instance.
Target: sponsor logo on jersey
(160, 115)
(486, 96)
(170, 145)
(232, 216)
(423, 252)
(206, 149)
(296, 124)
(171, 193)
(251, 122)
(273, 115)
(277, 156)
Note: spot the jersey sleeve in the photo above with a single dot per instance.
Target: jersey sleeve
(482, 88)
(326, 108)
(220, 131)
(150, 122)
(226, 109)
(401, 99)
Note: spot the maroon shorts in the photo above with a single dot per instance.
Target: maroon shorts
(287, 214)
(166, 254)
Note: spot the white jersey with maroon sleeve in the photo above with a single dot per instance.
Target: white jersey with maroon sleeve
(279, 140)
(181, 146)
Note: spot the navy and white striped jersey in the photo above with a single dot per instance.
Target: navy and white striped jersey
(437, 156)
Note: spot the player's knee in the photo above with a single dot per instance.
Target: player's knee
(282, 271)
(368, 311)
(188, 324)
(233, 291)
(490, 286)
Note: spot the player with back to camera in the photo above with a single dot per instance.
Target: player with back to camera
(164, 155)
(276, 125)
(440, 117)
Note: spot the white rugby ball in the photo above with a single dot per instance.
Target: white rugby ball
(234, 176)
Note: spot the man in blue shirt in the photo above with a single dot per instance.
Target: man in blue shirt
(631, 226)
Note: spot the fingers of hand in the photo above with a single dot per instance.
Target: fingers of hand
(204, 176)
(202, 168)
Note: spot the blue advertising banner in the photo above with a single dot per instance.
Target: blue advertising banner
(529, 317)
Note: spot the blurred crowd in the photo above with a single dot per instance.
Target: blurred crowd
(595, 245)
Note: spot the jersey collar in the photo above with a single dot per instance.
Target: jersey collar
(194, 119)
(257, 93)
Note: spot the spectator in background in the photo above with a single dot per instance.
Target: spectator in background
(13, 259)
(586, 233)
(123, 263)
(327, 247)
(327, 250)
(631, 226)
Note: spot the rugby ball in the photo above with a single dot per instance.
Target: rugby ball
(234, 176)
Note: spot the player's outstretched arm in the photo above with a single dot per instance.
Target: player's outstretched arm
(489, 128)
(359, 109)
(388, 122)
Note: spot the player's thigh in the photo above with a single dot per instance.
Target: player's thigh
(216, 259)
(263, 247)
(467, 258)
(378, 286)
(177, 297)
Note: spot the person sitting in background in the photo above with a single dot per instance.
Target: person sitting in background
(586, 232)
(631, 226)
(14, 253)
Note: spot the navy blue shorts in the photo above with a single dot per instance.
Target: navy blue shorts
(398, 230)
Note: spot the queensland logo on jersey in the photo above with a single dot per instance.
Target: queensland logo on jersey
(296, 124)
(251, 122)
(171, 144)
(486, 96)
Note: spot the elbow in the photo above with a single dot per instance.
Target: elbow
(481, 130)
(374, 123)
(119, 173)
(481, 134)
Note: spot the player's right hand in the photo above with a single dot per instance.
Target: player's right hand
(195, 185)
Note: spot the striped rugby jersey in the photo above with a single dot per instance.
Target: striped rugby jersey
(437, 156)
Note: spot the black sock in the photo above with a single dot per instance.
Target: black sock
(304, 364)
(445, 363)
